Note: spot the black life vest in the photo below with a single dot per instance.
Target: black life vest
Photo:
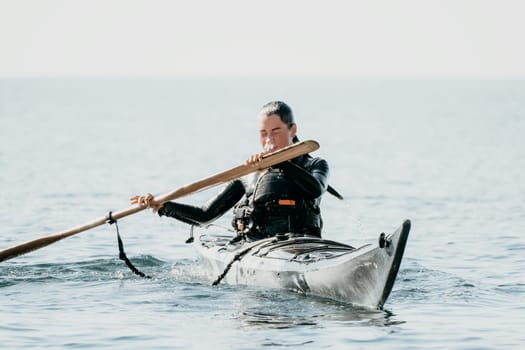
(274, 204)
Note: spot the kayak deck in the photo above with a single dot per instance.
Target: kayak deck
(300, 249)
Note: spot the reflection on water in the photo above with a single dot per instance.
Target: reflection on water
(282, 309)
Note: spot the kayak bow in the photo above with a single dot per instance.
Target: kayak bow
(362, 276)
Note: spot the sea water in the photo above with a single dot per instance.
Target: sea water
(447, 154)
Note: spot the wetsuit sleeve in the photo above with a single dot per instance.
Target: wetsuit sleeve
(312, 182)
(210, 211)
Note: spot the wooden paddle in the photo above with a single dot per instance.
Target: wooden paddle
(284, 154)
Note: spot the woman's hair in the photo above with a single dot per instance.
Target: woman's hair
(282, 110)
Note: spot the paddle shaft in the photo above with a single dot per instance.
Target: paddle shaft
(268, 160)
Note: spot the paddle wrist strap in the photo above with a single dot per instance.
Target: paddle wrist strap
(122, 255)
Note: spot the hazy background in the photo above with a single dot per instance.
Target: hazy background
(235, 38)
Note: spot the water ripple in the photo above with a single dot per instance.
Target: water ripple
(86, 271)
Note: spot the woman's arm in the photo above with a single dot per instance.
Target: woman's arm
(312, 182)
(210, 211)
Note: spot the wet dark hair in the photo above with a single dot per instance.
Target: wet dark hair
(282, 110)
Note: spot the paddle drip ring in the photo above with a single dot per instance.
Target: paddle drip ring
(122, 255)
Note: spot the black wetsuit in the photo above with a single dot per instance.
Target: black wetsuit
(281, 199)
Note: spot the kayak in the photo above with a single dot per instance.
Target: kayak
(361, 276)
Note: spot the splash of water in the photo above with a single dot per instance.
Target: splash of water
(268, 146)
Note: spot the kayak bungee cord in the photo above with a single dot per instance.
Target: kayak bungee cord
(122, 254)
(240, 255)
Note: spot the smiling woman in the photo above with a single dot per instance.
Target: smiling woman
(233, 38)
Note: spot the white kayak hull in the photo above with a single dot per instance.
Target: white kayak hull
(361, 276)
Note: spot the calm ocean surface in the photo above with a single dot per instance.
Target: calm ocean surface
(449, 155)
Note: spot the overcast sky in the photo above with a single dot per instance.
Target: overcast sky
(245, 38)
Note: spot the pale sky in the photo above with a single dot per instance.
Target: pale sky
(263, 38)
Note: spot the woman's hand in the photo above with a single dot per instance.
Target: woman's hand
(146, 201)
(254, 159)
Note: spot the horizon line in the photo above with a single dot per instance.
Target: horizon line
(255, 77)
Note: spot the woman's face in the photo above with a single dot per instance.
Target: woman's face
(274, 134)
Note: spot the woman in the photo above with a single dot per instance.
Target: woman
(281, 199)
